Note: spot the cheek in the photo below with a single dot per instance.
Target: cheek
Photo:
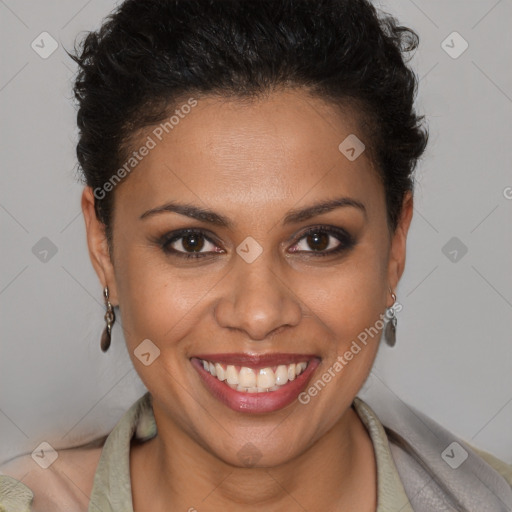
(157, 300)
(350, 297)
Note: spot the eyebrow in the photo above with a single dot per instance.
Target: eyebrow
(293, 216)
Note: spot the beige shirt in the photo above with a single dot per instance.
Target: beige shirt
(111, 491)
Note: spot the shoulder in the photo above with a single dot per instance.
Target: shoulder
(434, 464)
(64, 485)
(504, 469)
(14, 495)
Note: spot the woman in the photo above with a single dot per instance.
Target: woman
(249, 190)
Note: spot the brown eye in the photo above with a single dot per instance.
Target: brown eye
(318, 241)
(324, 241)
(193, 242)
(188, 244)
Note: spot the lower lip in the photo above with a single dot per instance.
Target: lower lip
(256, 402)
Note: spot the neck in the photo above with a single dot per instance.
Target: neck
(337, 472)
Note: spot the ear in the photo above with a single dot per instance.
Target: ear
(98, 247)
(398, 244)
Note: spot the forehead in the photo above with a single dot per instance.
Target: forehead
(232, 153)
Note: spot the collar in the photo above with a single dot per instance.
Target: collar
(112, 488)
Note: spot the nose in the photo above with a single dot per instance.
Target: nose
(257, 301)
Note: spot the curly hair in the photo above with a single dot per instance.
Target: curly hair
(149, 54)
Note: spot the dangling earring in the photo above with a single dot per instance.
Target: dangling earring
(110, 318)
(390, 331)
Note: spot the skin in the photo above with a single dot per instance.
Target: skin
(252, 162)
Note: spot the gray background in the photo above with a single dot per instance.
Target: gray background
(453, 356)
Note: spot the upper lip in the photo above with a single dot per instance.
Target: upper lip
(257, 360)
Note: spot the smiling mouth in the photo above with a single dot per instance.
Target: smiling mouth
(254, 380)
(255, 383)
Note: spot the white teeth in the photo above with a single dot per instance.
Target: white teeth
(281, 375)
(299, 368)
(249, 380)
(220, 373)
(266, 378)
(247, 377)
(231, 375)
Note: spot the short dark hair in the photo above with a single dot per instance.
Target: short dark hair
(149, 54)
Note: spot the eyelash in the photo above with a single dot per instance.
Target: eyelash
(346, 241)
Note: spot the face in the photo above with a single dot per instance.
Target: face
(250, 277)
